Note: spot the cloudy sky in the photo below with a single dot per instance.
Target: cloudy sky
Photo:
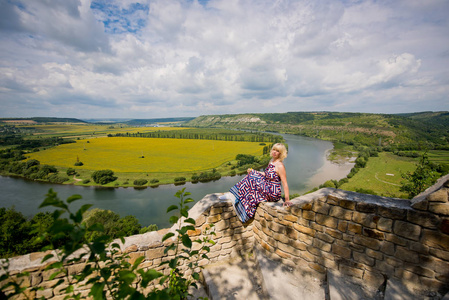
(185, 58)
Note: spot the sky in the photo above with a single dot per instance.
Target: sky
(185, 58)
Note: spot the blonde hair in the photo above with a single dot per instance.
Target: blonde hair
(282, 150)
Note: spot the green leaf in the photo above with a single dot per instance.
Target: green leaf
(184, 213)
(96, 227)
(173, 219)
(96, 291)
(190, 220)
(186, 241)
(168, 235)
(172, 207)
(74, 198)
(188, 200)
(47, 257)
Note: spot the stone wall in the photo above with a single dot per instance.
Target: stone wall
(367, 238)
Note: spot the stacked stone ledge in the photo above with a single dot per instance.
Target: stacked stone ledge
(370, 239)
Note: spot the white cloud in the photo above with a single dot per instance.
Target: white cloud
(184, 58)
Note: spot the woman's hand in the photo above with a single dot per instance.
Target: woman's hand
(287, 203)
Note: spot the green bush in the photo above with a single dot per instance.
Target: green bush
(140, 182)
(103, 176)
(71, 171)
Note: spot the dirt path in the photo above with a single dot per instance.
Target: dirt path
(386, 181)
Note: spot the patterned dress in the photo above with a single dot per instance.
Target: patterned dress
(255, 188)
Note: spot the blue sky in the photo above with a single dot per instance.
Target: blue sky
(173, 58)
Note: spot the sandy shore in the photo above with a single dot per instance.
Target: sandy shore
(331, 170)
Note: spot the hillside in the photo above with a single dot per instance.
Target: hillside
(40, 120)
(413, 131)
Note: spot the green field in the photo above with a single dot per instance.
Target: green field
(382, 174)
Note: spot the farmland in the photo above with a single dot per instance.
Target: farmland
(145, 155)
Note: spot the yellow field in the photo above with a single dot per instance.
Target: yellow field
(124, 154)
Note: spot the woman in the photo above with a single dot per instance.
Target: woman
(259, 186)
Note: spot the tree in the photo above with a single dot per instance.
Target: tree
(103, 176)
(423, 177)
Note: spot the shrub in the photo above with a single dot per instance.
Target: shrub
(154, 181)
(86, 181)
(140, 182)
(55, 178)
(103, 176)
(79, 163)
(180, 179)
(71, 171)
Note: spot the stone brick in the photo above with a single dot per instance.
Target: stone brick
(405, 254)
(366, 207)
(215, 210)
(423, 219)
(407, 230)
(321, 245)
(392, 212)
(439, 253)
(434, 239)
(439, 266)
(317, 267)
(384, 267)
(418, 247)
(375, 234)
(321, 207)
(350, 271)
(349, 204)
(316, 227)
(155, 253)
(387, 248)
(289, 249)
(303, 229)
(308, 215)
(291, 218)
(438, 196)
(280, 237)
(363, 259)
(444, 226)
(340, 213)
(276, 227)
(283, 254)
(396, 239)
(297, 245)
(421, 205)
(325, 237)
(439, 208)
(341, 251)
(306, 206)
(367, 242)
(355, 228)
(213, 219)
(342, 225)
(419, 270)
(363, 219)
(334, 233)
(385, 224)
(374, 254)
(373, 279)
(326, 221)
(291, 233)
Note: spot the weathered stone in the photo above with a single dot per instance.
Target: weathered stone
(439, 253)
(374, 254)
(350, 271)
(325, 237)
(405, 254)
(434, 239)
(392, 212)
(326, 221)
(366, 207)
(308, 215)
(385, 224)
(363, 259)
(368, 242)
(321, 245)
(363, 219)
(444, 226)
(291, 218)
(342, 225)
(387, 248)
(355, 228)
(303, 229)
(407, 230)
(341, 251)
(321, 207)
(280, 237)
(439, 208)
(349, 204)
(317, 267)
(334, 233)
(276, 227)
(417, 269)
(213, 219)
(340, 213)
(154, 253)
(421, 205)
(373, 279)
(438, 196)
(373, 233)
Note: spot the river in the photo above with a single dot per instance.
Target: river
(306, 167)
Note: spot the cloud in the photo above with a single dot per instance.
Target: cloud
(169, 58)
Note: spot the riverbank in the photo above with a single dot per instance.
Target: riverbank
(332, 169)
